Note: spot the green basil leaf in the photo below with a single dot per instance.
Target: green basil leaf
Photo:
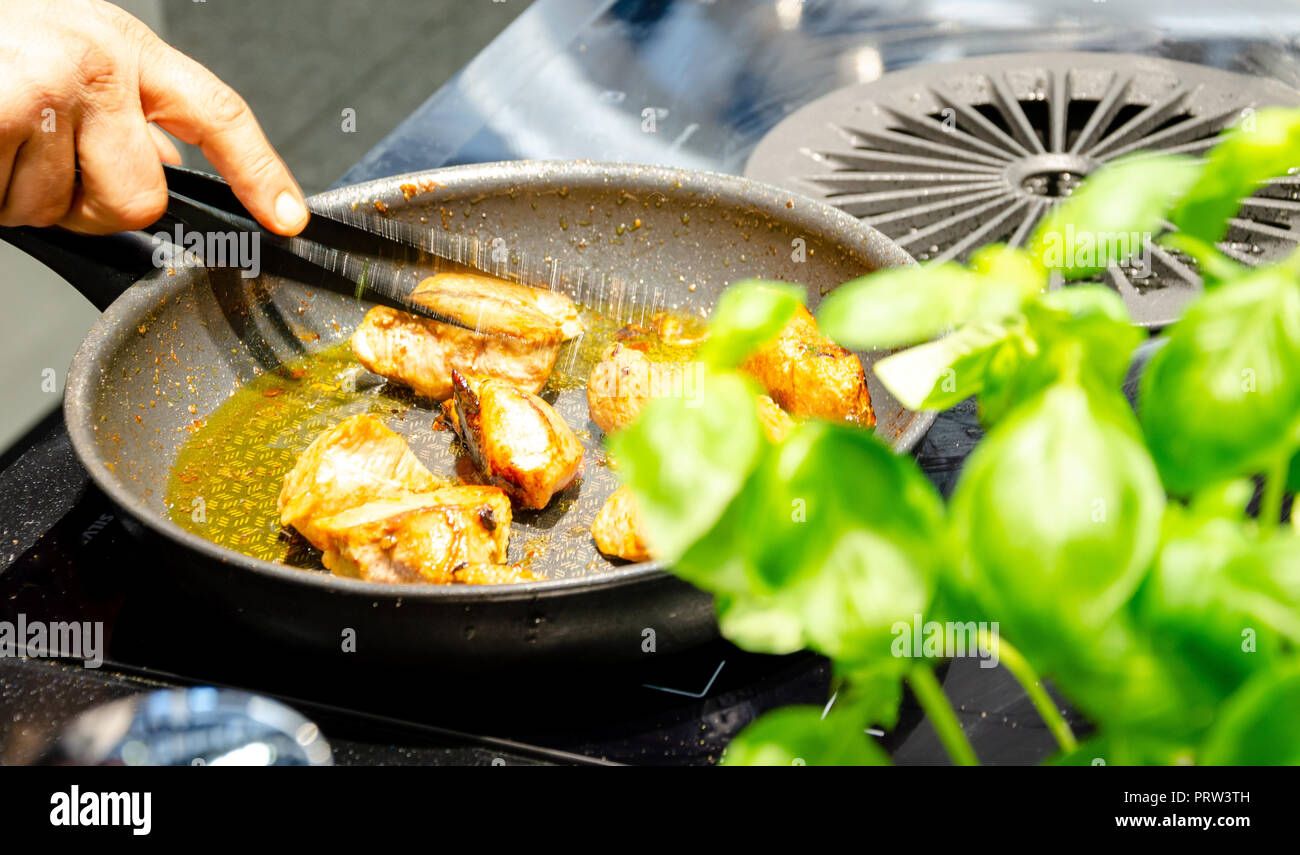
(874, 691)
(687, 457)
(767, 625)
(1267, 584)
(1057, 518)
(942, 373)
(1057, 515)
(1082, 332)
(1087, 301)
(747, 315)
(1257, 727)
(1222, 398)
(806, 557)
(799, 736)
(1012, 276)
(1265, 145)
(1228, 501)
(1122, 684)
(1110, 215)
(1124, 749)
(1086, 329)
(1210, 606)
(907, 305)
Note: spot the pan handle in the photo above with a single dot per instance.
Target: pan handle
(100, 267)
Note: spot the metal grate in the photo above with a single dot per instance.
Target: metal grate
(948, 157)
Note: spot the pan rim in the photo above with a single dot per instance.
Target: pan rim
(781, 203)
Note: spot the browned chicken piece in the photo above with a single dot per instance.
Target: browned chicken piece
(498, 307)
(619, 387)
(519, 334)
(354, 462)
(810, 376)
(625, 380)
(424, 538)
(362, 498)
(776, 422)
(421, 353)
(515, 439)
(617, 529)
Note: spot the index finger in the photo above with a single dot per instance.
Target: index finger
(194, 105)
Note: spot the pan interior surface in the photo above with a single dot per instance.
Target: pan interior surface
(165, 357)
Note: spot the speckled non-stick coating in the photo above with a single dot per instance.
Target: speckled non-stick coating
(177, 345)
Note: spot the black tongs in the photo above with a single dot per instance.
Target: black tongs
(367, 257)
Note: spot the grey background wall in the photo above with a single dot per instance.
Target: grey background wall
(300, 64)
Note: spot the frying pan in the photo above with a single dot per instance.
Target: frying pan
(172, 345)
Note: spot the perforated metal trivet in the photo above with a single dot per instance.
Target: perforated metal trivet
(945, 158)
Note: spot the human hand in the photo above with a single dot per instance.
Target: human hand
(80, 83)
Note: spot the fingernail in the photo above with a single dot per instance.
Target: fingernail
(289, 210)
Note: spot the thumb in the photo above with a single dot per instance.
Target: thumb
(167, 151)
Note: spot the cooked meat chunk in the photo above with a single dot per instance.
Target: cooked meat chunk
(625, 380)
(359, 495)
(519, 334)
(776, 422)
(517, 441)
(810, 376)
(422, 353)
(498, 307)
(617, 529)
(354, 462)
(619, 387)
(420, 538)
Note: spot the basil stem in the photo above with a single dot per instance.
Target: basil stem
(1024, 673)
(929, 694)
(1270, 505)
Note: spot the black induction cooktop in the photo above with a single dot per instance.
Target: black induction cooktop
(66, 557)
